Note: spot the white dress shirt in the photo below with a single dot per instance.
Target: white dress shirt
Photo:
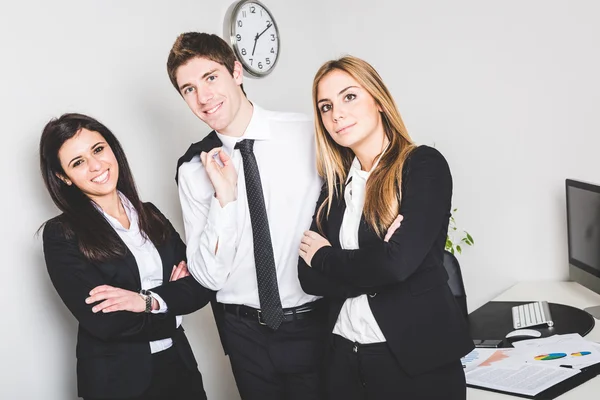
(147, 259)
(356, 321)
(284, 148)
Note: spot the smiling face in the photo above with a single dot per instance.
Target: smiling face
(212, 93)
(90, 164)
(348, 112)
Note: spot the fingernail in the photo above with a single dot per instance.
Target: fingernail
(94, 309)
(88, 300)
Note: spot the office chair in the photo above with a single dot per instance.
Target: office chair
(455, 281)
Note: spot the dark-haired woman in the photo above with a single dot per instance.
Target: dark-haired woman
(119, 266)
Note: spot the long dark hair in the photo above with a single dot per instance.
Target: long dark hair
(96, 238)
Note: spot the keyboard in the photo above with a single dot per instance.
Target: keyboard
(531, 314)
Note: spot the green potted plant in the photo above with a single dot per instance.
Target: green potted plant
(455, 238)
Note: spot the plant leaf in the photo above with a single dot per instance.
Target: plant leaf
(459, 249)
(470, 238)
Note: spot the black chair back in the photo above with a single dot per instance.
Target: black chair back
(455, 281)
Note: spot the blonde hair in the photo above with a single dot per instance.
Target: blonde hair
(383, 190)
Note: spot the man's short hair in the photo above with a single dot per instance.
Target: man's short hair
(190, 45)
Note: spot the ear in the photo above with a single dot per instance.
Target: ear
(238, 73)
(64, 179)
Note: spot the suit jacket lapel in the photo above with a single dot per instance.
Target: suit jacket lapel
(166, 269)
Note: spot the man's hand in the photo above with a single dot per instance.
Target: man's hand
(222, 176)
(311, 242)
(116, 299)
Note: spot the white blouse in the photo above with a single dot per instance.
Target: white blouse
(356, 321)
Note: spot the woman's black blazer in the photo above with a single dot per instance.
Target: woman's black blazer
(404, 278)
(113, 351)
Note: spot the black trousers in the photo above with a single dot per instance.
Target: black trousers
(171, 380)
(371, 372)
(282, 364)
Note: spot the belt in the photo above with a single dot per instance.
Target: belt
(289, 314)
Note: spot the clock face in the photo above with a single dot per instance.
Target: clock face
(255, 38)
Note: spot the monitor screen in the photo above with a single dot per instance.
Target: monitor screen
(583, 224)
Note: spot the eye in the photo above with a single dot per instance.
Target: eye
(98, 149)
(188, 90)
(211, 78)
(325, 107)
(349, 97)
(77, 163)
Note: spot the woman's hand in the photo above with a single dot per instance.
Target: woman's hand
(179, 271)
(311, 242)
(395, 225)
(116, 299)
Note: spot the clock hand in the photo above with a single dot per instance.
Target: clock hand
(268, 26)
(254, 48)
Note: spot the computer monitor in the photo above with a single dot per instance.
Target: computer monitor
(583, 231)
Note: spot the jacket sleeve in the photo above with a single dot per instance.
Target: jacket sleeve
(425, 206)
(73, 277)
(185, 295)
(316, 282)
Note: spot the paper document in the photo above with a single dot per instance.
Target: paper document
(525, 379)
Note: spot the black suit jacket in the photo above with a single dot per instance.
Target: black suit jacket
(404, 278)
(113, 351)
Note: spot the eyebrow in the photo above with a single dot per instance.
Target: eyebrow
(78, 157)
(212, 71)
(341, 92)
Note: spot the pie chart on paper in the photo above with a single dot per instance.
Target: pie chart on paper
(581, 354)
(550, 356)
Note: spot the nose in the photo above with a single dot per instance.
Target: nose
(94, 164)
(205, 95)
(338, 114)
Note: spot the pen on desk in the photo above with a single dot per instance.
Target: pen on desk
(566, 366)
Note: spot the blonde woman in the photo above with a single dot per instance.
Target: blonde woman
(376, 245)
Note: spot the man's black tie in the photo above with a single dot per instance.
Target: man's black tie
(266, 275)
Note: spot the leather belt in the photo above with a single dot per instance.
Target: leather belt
(289, 314)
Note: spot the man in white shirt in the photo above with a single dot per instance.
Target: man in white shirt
(248, 191)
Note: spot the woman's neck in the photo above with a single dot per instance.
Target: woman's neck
(111, 204)
(368, 151)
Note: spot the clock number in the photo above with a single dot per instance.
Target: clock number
(252, 10)
(260, 65)
(244, 14)
(238, 37)
(240, 23)
(268, 61)
(250, 60)
(243, 52)
(272, 37)
(268, 23)
(272, 51)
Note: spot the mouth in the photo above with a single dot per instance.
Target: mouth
(342, 130)
(214, 109)
(102, 178)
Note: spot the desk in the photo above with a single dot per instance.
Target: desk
(569, 293)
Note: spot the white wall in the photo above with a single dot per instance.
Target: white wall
(107, 58)
(509, 92)
(506, 90)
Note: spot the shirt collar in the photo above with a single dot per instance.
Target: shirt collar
(257, 129)
(129, 210)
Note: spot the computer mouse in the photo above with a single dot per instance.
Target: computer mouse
(521, 334)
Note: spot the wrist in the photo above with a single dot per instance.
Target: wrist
(227, 197)
(148, 300)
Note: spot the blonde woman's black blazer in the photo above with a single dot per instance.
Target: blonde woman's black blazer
(404, 278)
